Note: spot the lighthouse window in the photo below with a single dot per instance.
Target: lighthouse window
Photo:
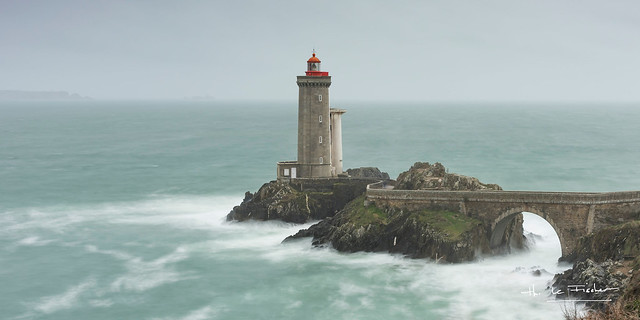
(321, 160)
(320, 97)
(320, 118)
(320, 139)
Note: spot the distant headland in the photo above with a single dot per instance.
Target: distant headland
(24, 95)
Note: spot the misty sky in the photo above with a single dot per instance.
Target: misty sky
(443, 50)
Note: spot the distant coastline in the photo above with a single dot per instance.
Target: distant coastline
(13, 95)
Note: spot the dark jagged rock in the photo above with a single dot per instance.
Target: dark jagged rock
(590, 280)
(615, 243)
(513, 237)
(275, 200)
(368, 173)
(423, 175)
(608, 258)
(300, 200)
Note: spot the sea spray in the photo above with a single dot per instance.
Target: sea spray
(230, 266)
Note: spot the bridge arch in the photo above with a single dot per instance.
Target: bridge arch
(499, 226)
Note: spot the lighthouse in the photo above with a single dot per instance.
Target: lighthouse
(319, 128)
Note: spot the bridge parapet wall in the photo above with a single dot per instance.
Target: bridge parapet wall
(525, 197)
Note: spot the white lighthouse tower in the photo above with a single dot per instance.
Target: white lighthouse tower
(319, 128)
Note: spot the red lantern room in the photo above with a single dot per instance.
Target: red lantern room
(313, 67)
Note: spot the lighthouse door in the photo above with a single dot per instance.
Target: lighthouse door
(293, 173)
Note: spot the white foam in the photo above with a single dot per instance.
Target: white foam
(34, 241)
(144, 275)
(142, 281)
(349, 289)
(294, 305)
(302, 249)
(114, 253)
(64, 300)
(101, 303)
(366, 302)
(339, 304)
(206, 312)
(188, 212)
(492, 287)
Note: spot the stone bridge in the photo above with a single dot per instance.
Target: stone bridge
(571, 214)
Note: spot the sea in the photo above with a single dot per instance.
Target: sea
(116, 209)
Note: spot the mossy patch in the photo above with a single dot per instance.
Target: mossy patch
(631, 249)
(633, 306)
(627, 225)
(361, 215)
(636, 263)
(298, 198)
(454, 224)
(318, 193)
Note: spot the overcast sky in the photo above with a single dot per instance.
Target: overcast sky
(442, 50)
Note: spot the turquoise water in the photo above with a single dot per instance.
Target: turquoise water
(115, 210)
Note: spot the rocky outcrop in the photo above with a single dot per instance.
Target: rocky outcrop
(278, 200)
(616, 243)
(368, 173)
(423, 175)
(298, 201)
(608, 258)
(590, 280)
(513, 238)
(441, 235)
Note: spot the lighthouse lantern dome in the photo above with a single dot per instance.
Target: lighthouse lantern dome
(313, 64)
(313, 67)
